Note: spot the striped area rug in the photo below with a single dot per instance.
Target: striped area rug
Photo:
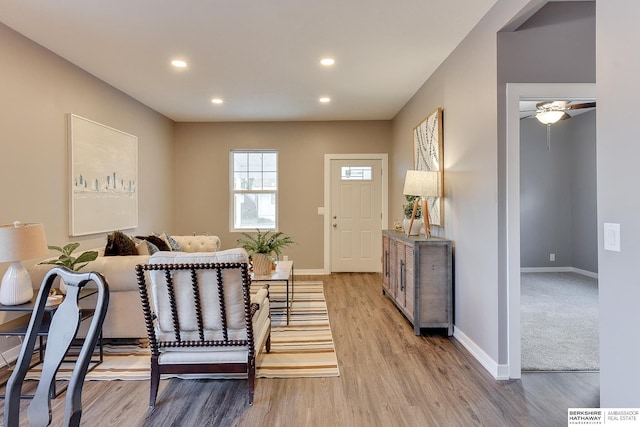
(302, 349)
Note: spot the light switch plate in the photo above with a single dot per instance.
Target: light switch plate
(611, 237)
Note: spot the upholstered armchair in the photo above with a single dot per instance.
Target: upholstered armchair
(201, 317)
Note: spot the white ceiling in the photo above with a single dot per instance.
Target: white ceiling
(261, 57)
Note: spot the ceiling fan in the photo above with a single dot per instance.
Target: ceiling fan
(549, 112)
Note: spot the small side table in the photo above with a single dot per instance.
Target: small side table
(18, 328)
(282, 273)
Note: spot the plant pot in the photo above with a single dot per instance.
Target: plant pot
(415, 228)
(262, 264)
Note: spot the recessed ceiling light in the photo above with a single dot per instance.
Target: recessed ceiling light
(327, 61)
(217, 100)
(179, 63)
(325, 99)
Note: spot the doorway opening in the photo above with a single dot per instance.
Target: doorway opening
(559, 239)
(517, 92)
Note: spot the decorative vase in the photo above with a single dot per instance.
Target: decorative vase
(262, 264)
(415, 228)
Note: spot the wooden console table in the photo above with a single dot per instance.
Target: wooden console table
(417, 276)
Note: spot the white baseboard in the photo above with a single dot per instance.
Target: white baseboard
(309, 272)
(499, 372)
(317, 272)
(559, 270)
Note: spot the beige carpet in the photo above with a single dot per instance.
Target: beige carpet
(559, 322)
(304, 348)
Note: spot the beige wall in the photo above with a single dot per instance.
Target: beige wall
(202, 174)
(39, 89)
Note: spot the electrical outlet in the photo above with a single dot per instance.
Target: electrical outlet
(552, 257)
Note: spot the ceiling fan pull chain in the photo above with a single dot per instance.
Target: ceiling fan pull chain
(549, 136)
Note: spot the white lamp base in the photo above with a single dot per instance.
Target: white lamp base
(16, 285)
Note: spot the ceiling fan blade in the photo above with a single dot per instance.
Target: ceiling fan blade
(527, 117)
(582, 105)
(565, 116)
(552, 105)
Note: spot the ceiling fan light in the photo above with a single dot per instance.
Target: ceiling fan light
(549, 117)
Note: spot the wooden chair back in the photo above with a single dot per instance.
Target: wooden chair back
(61, 331)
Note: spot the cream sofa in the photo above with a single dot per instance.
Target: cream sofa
(124, 316)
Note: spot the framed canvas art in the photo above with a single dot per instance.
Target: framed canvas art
(104, 178)
(427, 155)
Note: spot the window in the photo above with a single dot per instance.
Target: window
(254, 189)
(356, 173)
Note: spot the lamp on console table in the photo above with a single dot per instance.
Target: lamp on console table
(19, 242)
(421, 184)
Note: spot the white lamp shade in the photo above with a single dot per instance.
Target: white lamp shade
(22, 241)
(421, 183)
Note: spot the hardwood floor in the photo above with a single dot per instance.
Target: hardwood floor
(388, 377)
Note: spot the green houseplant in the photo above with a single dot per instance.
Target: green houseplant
(66, 259)
(262, 246)
(408, 210)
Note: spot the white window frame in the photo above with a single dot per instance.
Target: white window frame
(233, 191)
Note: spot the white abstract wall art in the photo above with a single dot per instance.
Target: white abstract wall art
(427, 154)
(104, 178)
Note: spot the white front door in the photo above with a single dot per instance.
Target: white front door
(356, 215)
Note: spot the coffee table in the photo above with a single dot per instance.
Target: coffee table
(282, 273)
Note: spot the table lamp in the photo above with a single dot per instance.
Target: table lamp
(422, 184)
(19, 242)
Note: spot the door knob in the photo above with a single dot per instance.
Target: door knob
(335, 217)
(335, 225)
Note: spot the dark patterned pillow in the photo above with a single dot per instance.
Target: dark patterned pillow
(175, 246)
(151, 247)
(145, 247)
(157, 241)
(119, 244)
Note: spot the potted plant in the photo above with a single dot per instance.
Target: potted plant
(66, 259)
(417, 221)
(262, 247)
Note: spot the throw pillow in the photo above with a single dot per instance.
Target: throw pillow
(119, 244)
(151, 247)
(142, 248)
(157, 241)
(145, 247)
(175, 246)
